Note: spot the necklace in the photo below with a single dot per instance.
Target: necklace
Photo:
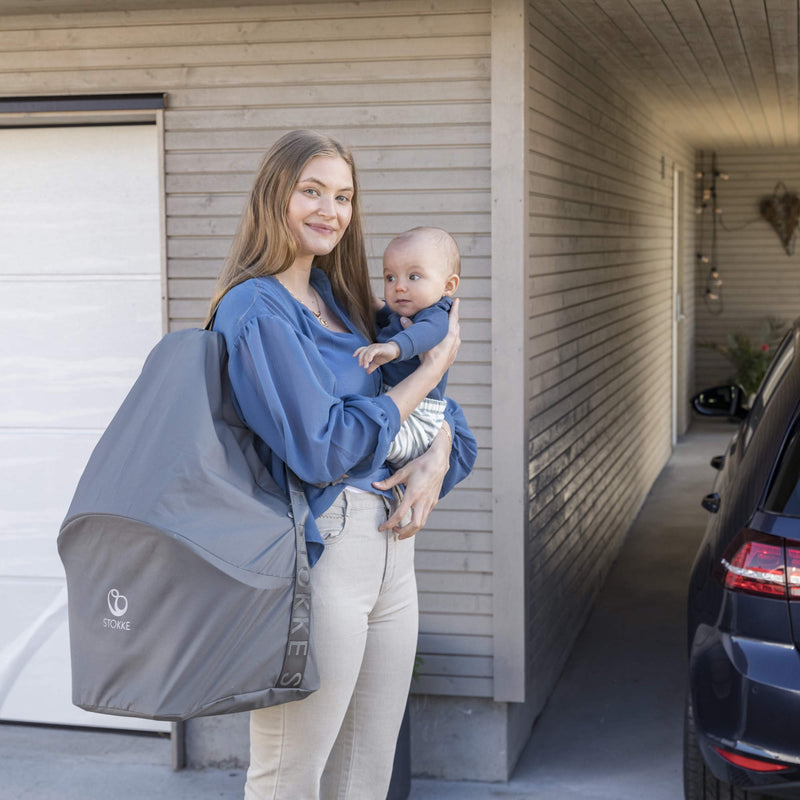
(317, 313)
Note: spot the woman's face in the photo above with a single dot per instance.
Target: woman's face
(320, 206)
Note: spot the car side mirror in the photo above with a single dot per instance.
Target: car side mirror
(721, 401)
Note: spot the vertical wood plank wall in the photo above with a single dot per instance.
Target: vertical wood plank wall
(759, 278)
(405, 83)
(599, 359)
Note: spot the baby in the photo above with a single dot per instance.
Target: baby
(421, 269)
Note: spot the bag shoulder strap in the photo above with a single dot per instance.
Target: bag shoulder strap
(298, 644)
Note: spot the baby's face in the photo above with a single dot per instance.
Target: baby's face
(415, 276)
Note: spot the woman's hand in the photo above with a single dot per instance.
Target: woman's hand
(423, 481)
(441, 357)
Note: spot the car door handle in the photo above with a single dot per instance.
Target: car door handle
(718, 462)
(711, 502)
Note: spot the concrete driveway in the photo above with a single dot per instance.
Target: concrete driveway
(611, 731)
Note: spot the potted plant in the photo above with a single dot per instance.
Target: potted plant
(750, 357)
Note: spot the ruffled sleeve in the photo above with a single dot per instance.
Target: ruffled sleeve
(286, 394)
(465, 447)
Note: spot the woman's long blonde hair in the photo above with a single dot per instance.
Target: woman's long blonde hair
(264, 245)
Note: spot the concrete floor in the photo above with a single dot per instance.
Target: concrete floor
(613, 728)
(611, 731)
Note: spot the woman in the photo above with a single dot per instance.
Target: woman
(294, 303)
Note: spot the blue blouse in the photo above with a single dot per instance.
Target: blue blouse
(297, 385)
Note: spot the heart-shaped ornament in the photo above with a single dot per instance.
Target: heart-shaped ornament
(782, 211)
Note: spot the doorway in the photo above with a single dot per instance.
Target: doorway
(679, 411)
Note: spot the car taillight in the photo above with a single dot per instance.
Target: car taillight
(761, 564)
(793, 571)
(748, 762)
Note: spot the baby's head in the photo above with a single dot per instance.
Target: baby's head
(420, 267)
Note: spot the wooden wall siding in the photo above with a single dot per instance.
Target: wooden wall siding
(599, 360)
(724, 71)
(759, 278)
(405, 83)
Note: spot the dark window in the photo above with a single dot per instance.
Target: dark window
(81, 102)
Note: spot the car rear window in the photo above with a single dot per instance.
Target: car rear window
(784, 493)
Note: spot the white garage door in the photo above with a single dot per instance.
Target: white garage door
(80, 280)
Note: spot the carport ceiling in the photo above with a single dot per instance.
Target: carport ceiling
(719, 72)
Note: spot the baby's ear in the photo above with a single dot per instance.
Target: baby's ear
(451, 284)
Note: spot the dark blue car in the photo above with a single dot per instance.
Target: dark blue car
(742, 729)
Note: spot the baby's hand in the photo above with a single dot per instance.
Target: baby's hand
(374, 355)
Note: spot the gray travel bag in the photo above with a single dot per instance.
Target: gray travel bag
(187, 572)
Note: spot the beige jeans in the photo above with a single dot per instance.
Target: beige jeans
(338, 744)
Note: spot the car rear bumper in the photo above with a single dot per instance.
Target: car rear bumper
(746, 699)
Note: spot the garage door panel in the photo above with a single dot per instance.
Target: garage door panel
(68, 210)
(72, 367)
(44, 466)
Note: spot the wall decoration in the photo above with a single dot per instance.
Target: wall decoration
(782, 211)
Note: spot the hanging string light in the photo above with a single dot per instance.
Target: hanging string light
(708, 197)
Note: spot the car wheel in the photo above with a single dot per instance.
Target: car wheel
(699, 782)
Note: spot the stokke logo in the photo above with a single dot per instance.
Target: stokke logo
(117, 603)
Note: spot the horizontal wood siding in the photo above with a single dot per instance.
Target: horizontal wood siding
(404, 83)
(760, 280)
(599, 356)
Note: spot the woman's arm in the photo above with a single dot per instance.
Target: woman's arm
(464, 449)
(285, 392)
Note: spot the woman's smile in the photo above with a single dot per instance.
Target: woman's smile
(320, 228)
